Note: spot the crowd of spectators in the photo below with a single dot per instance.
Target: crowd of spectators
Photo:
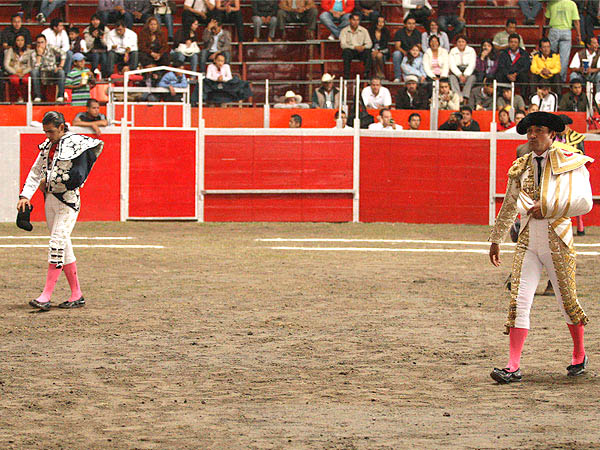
(60, 54)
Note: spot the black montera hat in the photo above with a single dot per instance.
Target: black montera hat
(565, 119)
(541, 118)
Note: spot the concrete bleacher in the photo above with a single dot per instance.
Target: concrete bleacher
(298, 64)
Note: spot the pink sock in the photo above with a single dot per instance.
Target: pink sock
(71, 274)
(51, 279)
(517, 340)
(580, 223)
(578, 348)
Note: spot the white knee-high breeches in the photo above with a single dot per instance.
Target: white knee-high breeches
(537, 257)
(61, 220)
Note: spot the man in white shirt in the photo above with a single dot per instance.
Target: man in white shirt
(200, 10)
(585, 65)
(376, 96)
(122, 44)
(56, 36)
(386, 121)
(545, 99)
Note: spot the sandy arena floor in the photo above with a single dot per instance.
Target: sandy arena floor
(219, 341)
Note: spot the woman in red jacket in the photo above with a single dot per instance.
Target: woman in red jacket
(336, 15)
(154, 50)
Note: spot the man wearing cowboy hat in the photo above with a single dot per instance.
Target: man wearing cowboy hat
(290, 100)
(327, 96)
(547, 187)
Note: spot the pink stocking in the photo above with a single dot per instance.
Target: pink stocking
(517, 340)
(51, 279)
(578, 348)
(71, 274)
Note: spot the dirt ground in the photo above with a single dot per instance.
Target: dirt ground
(219, 341)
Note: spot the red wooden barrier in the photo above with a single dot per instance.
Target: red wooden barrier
(162, 177)
(101, 194)
(424, 180)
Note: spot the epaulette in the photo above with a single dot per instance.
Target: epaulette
(518, 166)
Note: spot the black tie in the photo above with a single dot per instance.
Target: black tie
(539, 160)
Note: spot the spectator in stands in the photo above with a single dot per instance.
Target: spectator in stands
(545, 99)
(468, 123)
(153, 47)
(368, 9)
(447, 98)
(590, 18)
(344, 124)
(327, 96)
(462, 60)
(434, 30)
(435, 60)
(411, 97)
(420, 10)
(27, 8)
(290, 100)
(91, 118)
(56, 36)
(76, 44)
(500, 41)
(376, 96)
(482, 98)
(545, 64)
(111, 11)
(451, 13)
(95, 35)
(200, 10)
(15, 29)
(219, 70)
(453, 123)
(530, 9)
(504, 99)
(413, 65)
(380, 37)
(264, 11)
(563, 16)
(585, 65)
(47, 7)
(175, 80)
(385, 121)
(79, 80)
(118, 78)
(532, 108)
(519, 115)
(414, 121)
(356, 44)
(487, 62)
(295, 121)
(575, 99)
(17, 64)
(513, 63)
(216, 40)
(298, 11)
(336, 15)
(122, 44)
(164, 11)
(229, 11)
(504, 122)
(404, 39)
(46, 70)
(186, 46)
(136, 11)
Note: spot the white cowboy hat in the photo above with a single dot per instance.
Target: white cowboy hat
(326, 78)
(291, 94)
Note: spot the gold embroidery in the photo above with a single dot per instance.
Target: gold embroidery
(515, 281)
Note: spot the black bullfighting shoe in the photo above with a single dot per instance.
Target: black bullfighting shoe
(75, 304)
(504, 376)
(45, 306)
(577, 369)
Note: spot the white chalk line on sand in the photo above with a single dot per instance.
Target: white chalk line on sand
(83, 246)
(399, 241)
(408, 250)
(83, 238)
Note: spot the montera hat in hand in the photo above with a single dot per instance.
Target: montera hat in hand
(24, 218)
(541, 118)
